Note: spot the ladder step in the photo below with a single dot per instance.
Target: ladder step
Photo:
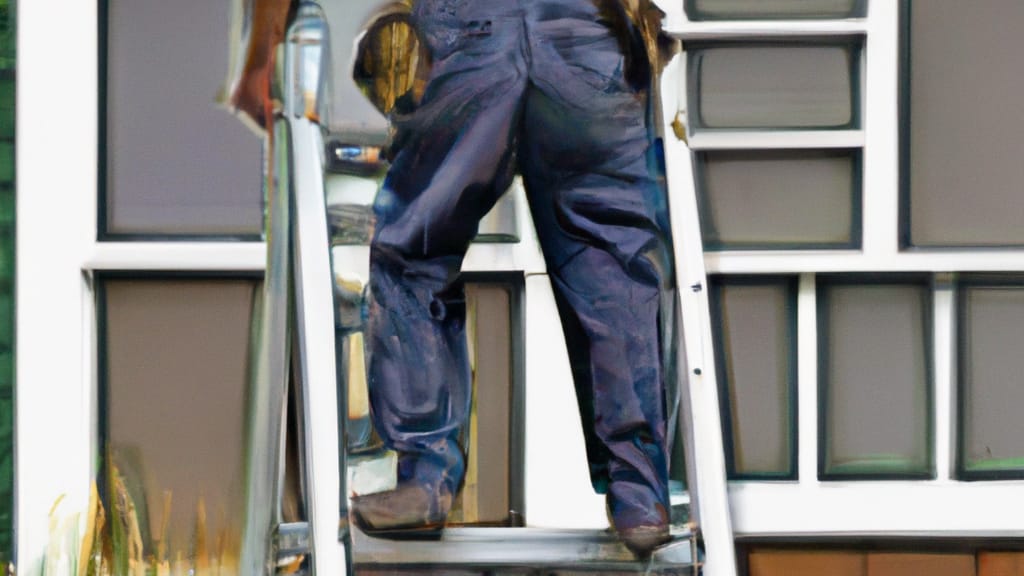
(292, 544)
(467, 551)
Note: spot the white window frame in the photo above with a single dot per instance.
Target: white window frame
(808, 507)
(58, 252)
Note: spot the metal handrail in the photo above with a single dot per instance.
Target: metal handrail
(297, 290)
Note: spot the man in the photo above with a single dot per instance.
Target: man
(560, 91)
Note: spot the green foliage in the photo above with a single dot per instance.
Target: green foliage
(7, 197)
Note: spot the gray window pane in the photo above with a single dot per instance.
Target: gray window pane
(874, 379)
(779, 199)
(490, 491)
(485, 495)
(755, 332)
(773, 9)
(963, 128)
(991, 365)
(793, 85)
(176, 162)
(175, 352)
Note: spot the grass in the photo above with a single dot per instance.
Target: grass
(102, 545)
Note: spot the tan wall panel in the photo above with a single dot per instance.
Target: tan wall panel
(1001, 564)
(806, 563)
(902, 564)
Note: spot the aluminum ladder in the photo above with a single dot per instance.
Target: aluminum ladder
(298, 292)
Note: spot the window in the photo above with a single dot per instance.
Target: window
(991, 328)
(777, 199)
(773, 9)
(64, 187)
(175, 164)
(960, 127)
(867, 226)
(174, 366)
(755, 321)
(492, 493)
(874, 367)
(776, 124)
(901, 360)
(759, 85)
(173, 342)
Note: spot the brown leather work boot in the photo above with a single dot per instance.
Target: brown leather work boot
(641, 526)
(412, 510)
(642, 540)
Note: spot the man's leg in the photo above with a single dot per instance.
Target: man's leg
(601, 218)
(453, 162)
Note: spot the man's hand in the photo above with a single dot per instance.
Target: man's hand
(263, 27)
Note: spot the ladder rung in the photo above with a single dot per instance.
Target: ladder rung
(292, 541)
(489, 548)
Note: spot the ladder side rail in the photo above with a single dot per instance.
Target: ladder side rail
(307, 70)
(700, 407)
(269, 365)
(315, 327)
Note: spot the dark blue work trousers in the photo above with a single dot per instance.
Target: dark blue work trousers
(536, 86)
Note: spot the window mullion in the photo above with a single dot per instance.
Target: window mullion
(807, 380)
(944, 378)
(178, 256)
(881, 120)
(786, 139)
(730, 29)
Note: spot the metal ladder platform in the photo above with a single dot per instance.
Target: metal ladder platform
(520, 551)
